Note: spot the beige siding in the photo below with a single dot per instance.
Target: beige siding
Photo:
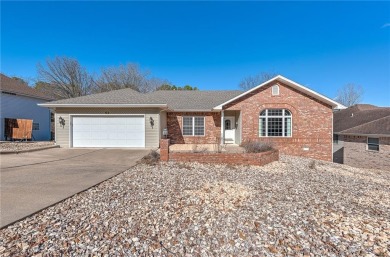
(62, 135)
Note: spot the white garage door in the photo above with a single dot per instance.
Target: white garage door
(103, 131)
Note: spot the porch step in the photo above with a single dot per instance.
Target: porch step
(229, 141)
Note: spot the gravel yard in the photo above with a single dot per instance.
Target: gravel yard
(291, 207)
(19, 146)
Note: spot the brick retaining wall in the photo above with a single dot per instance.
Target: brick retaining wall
(258, 159)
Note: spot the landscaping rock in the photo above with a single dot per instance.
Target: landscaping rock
(285, 208)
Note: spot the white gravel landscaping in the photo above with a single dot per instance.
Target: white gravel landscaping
(24, 145)
(293, 207)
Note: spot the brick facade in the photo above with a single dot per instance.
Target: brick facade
(311, 121)
(357, 155)
(258, 159)
(212, 128)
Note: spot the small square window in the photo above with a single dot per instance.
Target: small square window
(35, 126)
(373, 144)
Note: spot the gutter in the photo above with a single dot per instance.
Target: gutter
(103, 105)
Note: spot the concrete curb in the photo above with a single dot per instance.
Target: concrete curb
(30, 150)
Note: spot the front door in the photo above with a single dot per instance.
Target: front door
(230, 130)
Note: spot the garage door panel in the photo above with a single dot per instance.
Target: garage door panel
(103, 131)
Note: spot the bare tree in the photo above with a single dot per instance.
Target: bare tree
(350, 94)
(127, 76)
(66, 77)
(255, 80)
(48, 89)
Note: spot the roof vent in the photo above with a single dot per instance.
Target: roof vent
(351, 114)
(275, 90)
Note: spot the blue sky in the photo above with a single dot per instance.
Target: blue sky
(211, 45)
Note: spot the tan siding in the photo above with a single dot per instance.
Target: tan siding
(151, 133)
(163, 122)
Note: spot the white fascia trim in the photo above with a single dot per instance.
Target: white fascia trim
(103, 105)
(291, 83)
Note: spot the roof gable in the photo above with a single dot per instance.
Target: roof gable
(292, 84)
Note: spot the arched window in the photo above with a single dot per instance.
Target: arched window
(275, 123)
(275, 90)
(228, 124)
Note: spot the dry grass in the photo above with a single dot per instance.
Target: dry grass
(256, 147)
(152, 158)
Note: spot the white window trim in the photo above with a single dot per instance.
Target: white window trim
(193, 126)
(273, 116)
(376, 151)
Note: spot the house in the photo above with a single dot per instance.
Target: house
(362, 136)
(291, 117)
(19, 101)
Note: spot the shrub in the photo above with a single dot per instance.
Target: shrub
(199, 149)
(152, 158)
(256, 147)
(312, 165)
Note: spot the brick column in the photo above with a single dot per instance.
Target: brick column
(164, 150)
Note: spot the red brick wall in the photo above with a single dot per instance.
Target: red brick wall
(357, 155)
(258, 159)
(311, 121)
(164, 149)
(212, 128)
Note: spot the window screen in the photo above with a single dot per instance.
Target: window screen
(187, 126)
(373, 144)
(35, 126)
(193, 126)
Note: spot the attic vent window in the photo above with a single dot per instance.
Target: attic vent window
(275, 90)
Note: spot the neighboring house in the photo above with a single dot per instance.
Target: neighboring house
(19, 101)
(362, 136)
(293, 118)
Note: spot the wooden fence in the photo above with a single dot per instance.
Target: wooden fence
(18, 129)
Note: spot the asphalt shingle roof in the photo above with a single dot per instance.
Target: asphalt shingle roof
(362, 119)
(376, 127)
(175, 99)
(193, 100)
(17, 87)
(121, 96)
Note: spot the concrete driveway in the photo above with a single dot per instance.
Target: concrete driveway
(32, 181)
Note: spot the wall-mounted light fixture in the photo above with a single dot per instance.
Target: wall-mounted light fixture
(151, 122)
(165, 132)
(61, 121)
